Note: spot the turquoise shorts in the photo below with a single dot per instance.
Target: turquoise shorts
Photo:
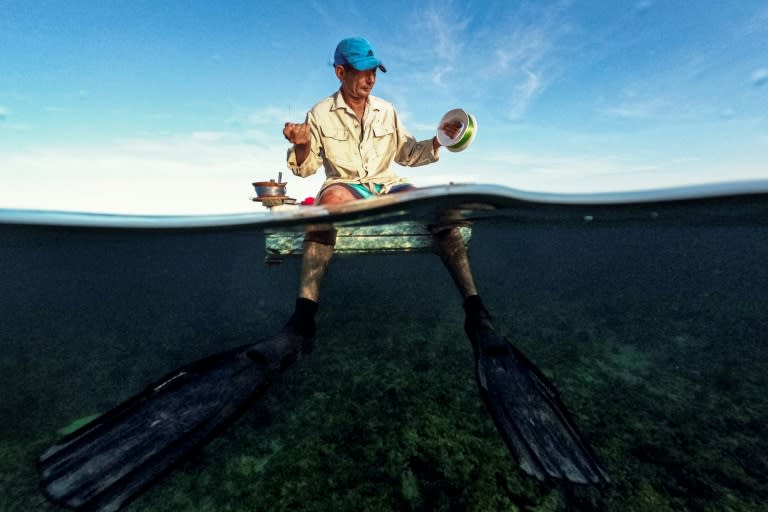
(363, 192)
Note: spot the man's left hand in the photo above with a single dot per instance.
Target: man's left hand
(452, 129)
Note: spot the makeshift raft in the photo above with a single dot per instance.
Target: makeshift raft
(392, 238)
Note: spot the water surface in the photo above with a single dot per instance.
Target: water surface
(653, 331)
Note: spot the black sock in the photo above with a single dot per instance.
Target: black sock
(474, 309)
(303, 319)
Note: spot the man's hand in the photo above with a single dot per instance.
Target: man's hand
(451, 129)
(296, 133)
(299, 135)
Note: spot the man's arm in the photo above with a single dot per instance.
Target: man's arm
(299, 136)
(413, 153)
(304, 155)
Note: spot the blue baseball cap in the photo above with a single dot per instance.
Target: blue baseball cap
(358, 53)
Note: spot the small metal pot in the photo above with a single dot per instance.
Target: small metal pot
(269, 188)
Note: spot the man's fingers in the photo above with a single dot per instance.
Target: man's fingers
(451, 128)
(288, 130)
(296, 133)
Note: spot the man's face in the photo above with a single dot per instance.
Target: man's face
(356, 84)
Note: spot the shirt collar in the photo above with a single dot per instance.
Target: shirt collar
(338, 102)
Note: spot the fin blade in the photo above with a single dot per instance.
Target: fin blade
(107, 462)
(528, 412)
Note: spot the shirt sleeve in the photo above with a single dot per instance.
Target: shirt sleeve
(411, 152)
(313, 161)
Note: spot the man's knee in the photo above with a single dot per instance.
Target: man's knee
(325, 236)
(447, 239)
(336, 194)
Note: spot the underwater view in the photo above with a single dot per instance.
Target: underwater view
(654, 335)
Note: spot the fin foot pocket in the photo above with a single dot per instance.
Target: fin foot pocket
(281, 350)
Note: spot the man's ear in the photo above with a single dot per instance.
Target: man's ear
(340, 72)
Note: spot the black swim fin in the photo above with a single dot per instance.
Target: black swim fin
(104, 464)
(528, 413)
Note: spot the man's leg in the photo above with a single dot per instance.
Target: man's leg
(296, 336)
(318, 252)
(450, 247)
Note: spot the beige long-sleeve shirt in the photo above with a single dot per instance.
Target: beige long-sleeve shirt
(354, 152)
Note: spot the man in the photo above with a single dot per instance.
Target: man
(356, 137)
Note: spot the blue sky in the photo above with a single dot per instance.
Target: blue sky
(175, 107)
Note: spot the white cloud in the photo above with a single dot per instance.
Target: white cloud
(209, 136)
(3, 113)
(601, 173)
(643, 6)
(321, 11)
(758, 22)
(212, 172)
(627, 111)
(727, 113)
(16, 127)
(445, 33)
(637, 102)
(568, 165)
(759, 76)
(526, 92)
(436, 51)
(467, 58)
(271, 115)
(438, 75)
(159, 116)
(522, 48)
(204, 172)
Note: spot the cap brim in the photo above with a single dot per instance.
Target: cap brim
(368, 63)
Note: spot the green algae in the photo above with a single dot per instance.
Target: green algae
(80, 422)
(385, 415)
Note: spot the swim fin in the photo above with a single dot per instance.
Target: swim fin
(528, 413)
(102, 465)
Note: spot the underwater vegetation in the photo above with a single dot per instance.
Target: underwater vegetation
(654, 338)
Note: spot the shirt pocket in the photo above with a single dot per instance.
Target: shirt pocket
(336, 144)
(384, 140)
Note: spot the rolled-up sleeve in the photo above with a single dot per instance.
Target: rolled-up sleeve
(313, 161)
(411, 152)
